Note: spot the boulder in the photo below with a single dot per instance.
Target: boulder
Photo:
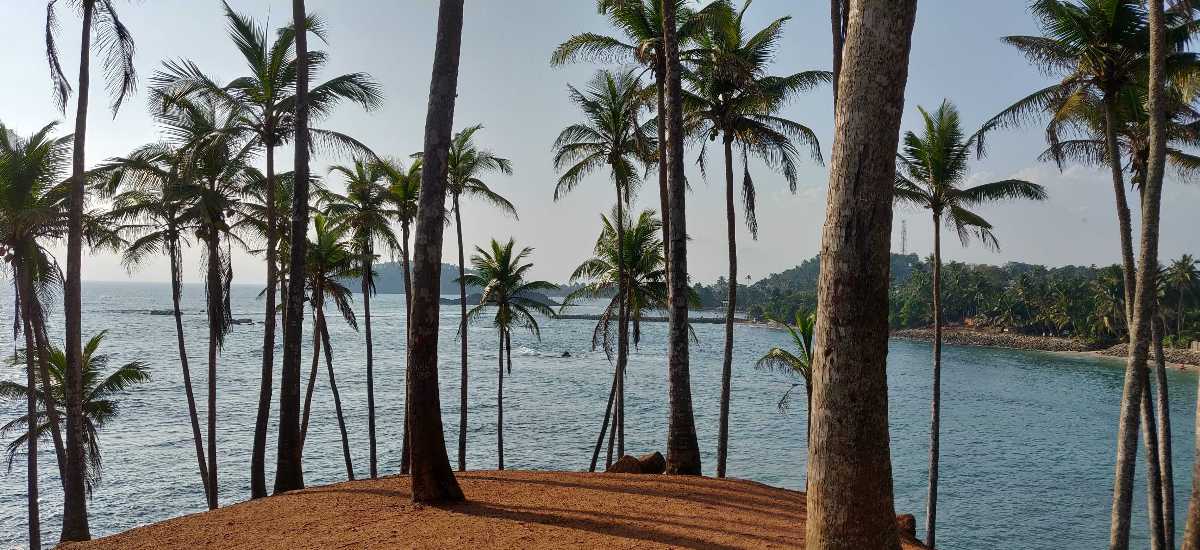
(626, 465)
(907, 525)
(653, 463)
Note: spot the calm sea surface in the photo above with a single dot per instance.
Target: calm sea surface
(1028, 438)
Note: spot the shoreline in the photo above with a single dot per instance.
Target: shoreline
(1177, 359)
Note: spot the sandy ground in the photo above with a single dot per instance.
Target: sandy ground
(506, 510)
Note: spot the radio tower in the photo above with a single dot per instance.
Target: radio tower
(903, 237)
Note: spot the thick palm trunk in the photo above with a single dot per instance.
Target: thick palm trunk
(289, 473)
(683, 452)
(462, 342)
(216, 307)
(850, 502)
(1166, 468)
(337, 398)
(660, 74)
(366, 292)
(258, 455)
(31, 451)
(193, 416)
(730, 309)
(500, 404)
(935, 424)
(432, 479)
(75, 518)
(312, 382)
(622, 323)
(1146, 294)
(404, 445)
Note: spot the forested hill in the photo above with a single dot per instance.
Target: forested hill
(389, 279)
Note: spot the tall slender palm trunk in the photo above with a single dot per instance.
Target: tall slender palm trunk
(42, 342)
(850, 499)
(683, 451)
(337, 398)
(660, 75)
(432, 479)
(404, 445)
(312, 380)
(258, 476)
(500, 404)
(1154, 509)
(935, 423)
(462, 342)
(176, 292)
(622, 322)
(1136, 378)
(1164, 433)
(216, 307)
(366, 292)
(730, 309)
(31, 451)
(75, 518)
(608, 410)
(289, 473)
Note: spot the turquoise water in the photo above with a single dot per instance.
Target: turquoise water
(1028, 438)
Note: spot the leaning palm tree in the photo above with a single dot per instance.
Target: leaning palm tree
(467, 164)
(116, 45)
(150, 205)
(930, 169)
(641, 254)
(610, 136)
(795, 364)
(99, 405)
(405, 191)
(366, 210)
(734, 98)
(1183, 277)
(501, 272)
(330, 257)
(267, 97)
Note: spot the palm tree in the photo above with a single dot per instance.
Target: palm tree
(1183, 277)
(641, 255)
(501, 274)
(150, 202)
(931, 168)
(267, 97)
(609, 136)
(432, 480)
(796, 364)
(467, 165)
(850, 501)
(33, 210)
(683, 452)
(99, 405)
(405, 189)
(366, 211)
(330, 257)
(741, 107)
(116, 44)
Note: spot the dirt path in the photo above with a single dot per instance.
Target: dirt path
(506, 510)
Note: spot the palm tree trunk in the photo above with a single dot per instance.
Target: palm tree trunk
(404, 445)
(807, 423)
(216, 307)
(1178, 322)
(258, 455)
(176, 291)
(935, 424)
(622, 322)
(1164, 434)
(500, 404)
(366, 292)
(75, 518)
(462, 342)
(337, 398)
(660, 74)
(683, 452)
(730, 308)
(612, 436)
(31, 453)
(838, 17)
(32, 309)
(1146, 293)
(508, 349)
(850, 502)
(612, 393)
(289, 473)
(432, 479)
(312, 382)
(1111, 120)
(1154, 509)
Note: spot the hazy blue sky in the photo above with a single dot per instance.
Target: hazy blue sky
(506, 84)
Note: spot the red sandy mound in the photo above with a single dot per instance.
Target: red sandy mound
(506, 510)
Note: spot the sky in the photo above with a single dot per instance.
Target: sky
(507, 84)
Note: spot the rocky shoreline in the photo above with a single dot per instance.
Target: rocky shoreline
(958, 336)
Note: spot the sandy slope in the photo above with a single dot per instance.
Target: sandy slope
(506, 510)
